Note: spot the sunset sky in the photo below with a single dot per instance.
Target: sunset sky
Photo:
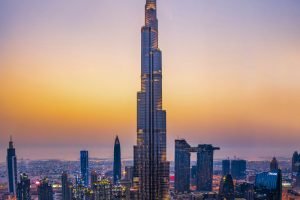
(70, 70)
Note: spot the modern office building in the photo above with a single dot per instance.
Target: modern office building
(226, 190)
(94, 178)
(129, 170)
(205, 158)
(295, 162)
(103, 190)
(117, 162)
(11, 161)
(45, 191)
(268, 185)
(23, 188)
(67, 187)
(274, 165)
(225, 167)
(150, 154)
(84, 166)
(182, 166)
(238, 169)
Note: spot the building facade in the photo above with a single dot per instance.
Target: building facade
(238, 169)
(182, 166)
(67, 187)
(84, 166)
(45, 191)
(225, 167)
(151, 168)
(117, 161)
(23, 188)
(205, 159)
(11, 161)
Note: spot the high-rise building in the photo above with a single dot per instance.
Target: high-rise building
(205, 158)
(182, 166)
(225, 167)
(11, 160)
(238, 169)
(268, 185)
(84, 165)
(117, 161)
(67, 187)
(129, 170)
(103, 190)
(226, 190)
(296, 162)
(94, 177)
(45, 191)
(274, 165)
(150, 156)
(23, 188)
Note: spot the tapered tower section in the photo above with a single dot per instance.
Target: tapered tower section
(150, 164)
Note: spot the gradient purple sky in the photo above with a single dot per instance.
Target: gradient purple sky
(69, 73)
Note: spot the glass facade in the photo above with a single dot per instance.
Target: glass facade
(117, 161)
(151, 168)
(84, 165)
(11, 160)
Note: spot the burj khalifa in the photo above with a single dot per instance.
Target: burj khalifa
(151, 168)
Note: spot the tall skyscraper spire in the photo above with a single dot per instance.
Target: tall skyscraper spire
(150, 164)
(11, 160)
(117, 161)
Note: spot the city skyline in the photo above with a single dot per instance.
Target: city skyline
(232, 78)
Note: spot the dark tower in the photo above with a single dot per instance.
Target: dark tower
(238, 169)
(66, 187)
(117, 161)
(23, 188)
(225, 167)
(84, 165)
(45, 191)
(182, 166)
(150, 153)
(226, 190)
(205, 159)
(11, 160)
(295, 162)
(274, 165)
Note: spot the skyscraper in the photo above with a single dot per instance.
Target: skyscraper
(117, 161)
(23, 188)
(225, 167)
(182, 166)
(274, 165)
(84, 165)
(94, 177)
(226, 190)
(45, 191)
(268, 185)
(238, 169)
(296, 162)
(205, 158)
(150, 162)
(67, 187)
(11, 160)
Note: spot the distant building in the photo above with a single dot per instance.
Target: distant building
(274, 165)
(193, 174)
(103, 190)
(67, 187)
(84, 165)
(94, 178)
(117, 161)
(238, 169)
(268, 185)
(45, 191)
(23, 188)
(205, 158)
(225, 167)
(11, 160)
(244, 190)
(226, 190)
(182, 166)
(129, 170)
(295, 162)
